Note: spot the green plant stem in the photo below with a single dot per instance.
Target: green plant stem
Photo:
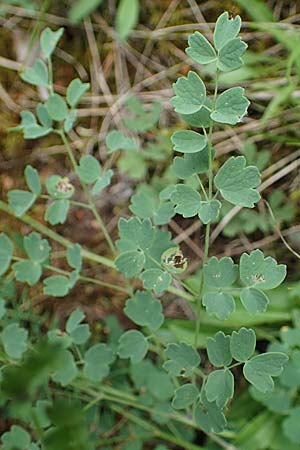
(87, 254)
(87, 194)
(208, 226)
(35, 224)
(156, 431)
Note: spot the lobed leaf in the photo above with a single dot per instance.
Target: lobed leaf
(237, 183)
(144, 310)
(190, 94)
(49, 40)
(186, 200)
(230, 55)
(33, 180)
(57, 211)
(254, 300)
(6, 253)
(185, 396)
(56, 107)
(242, 344)
(37, 74)
(220, 273)
(188, 141)
(260, 272)
(37, 249)
(14, 340)
(218, 350)
(96, 362)
(183, 359)
(231, 106)
(260, 369)
(219, 387)
(156, 279)
(20, 201)
(219, 303)
(200, 50)
(226, 29)
(133, 345)
(75, 91)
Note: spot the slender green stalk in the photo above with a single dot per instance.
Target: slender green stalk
(87, 194)
(36, 225)
(208, 226)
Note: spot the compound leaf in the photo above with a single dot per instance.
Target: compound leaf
(219, 303)
(144, 310)
(96, 362)
(133, 345)
(14, 339)
(182, 359)
(260, 272)
(188, 141)
(6, 252)
(237, 182)
(219, 387)
(190, 94)
(230, 106)
(218, 349)
(185, 396)
(226, 29)
(260, 369)
(200, 50)
(242, 344)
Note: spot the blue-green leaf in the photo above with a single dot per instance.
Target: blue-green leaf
(188, 141)
(6, 252)
(130, 263)
(230, 55)
(237, 183)
(75, 91)
(96, 362)
(56, 285)
(182, 360)
(156, 279)
(57, 211)
(89, 169)
(57, 107)
(226, 29)
(186, 200)
(254, 300)
(133, 345)
(27, 271)
(200, 50)
(49, 40)
(185, 396)
(14, 339)
(190, 94)
(37, 74)
(20, 201)
(231, 106)
(260, 369)
(219, 303)
(37, 249)
(127, 17)
(218, 350)
(242, 344)
(219, 387)
(33, 180)
(144, 310)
